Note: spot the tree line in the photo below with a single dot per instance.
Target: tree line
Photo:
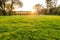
(51, 7)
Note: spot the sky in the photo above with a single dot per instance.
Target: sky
(28, 4)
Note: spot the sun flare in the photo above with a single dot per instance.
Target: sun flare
(32, 10)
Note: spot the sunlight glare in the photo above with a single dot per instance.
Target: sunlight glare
(33, 10)
(28, 4)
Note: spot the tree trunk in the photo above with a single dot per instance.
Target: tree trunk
(4, 12)
(12, 1)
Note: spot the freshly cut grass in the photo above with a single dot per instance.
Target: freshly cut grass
(32, 27)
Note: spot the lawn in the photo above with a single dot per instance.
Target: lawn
(30, 27)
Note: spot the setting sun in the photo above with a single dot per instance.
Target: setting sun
(32, 10)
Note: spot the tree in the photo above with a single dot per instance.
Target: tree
(38, 8)
(15, 2)
(58, 10)
(51, 4)
(48, 2)
(55, 3)
(3, 5)
(8, 8)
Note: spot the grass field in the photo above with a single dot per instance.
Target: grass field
(30, 27)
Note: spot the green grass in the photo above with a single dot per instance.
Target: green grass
(30, 27)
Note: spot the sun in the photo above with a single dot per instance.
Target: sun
(32, 10)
